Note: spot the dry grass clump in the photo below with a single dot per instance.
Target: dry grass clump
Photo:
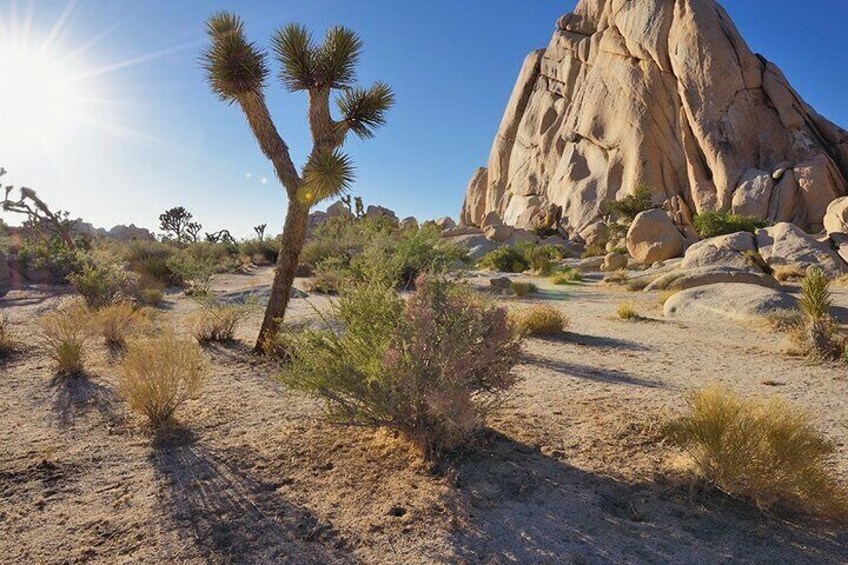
(8, 343)
(626, 311)
(665, 296)
(158, 375)
(431, 367)
(540, 321)
(785, 273)
(566, 276)
(217, 322)
(150, 296)
(522, 289)
(121, 321)
(65, 333)
(765, 451)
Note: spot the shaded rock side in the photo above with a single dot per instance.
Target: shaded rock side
(666, 95)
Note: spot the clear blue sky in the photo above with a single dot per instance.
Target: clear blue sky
(161, 139)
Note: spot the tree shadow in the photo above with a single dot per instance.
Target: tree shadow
(77, 395)
(232, 516)
(591, 373)
(521, 506)
(598, 341)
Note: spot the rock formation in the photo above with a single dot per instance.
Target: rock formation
(664, 94)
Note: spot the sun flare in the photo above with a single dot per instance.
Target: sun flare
(42, 99)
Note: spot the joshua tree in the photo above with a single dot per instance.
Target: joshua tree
(39, 216)
(175, 221)
(223, 236)
(192, 231)
(346, 201)
(260, 231)
(237, 73)
(360, 208)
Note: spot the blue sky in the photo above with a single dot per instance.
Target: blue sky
(161, 139)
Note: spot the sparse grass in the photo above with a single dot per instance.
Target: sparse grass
(617, 277)
(65, 333)
(523, 289)
(566, 276)
(217, 322)
(540, 321)
(158, 375)
(594, 250)
(626, 311)
(665, 295)
(121, 321)
(765, 451)
(8, 343)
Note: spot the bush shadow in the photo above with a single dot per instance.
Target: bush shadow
(591, 373)
(521, 506)
(77, 395)
(232, 516)
(601, 342)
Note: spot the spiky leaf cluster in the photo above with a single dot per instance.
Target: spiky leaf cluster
(364, 109)
(234, 65)
(326, 174)
(306, 65)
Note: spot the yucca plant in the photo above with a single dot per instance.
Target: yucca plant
(237, 71)
(815, 302)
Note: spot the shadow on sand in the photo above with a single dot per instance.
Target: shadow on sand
(231, 516)
(75, 396)
(524, 507)
(590, 373)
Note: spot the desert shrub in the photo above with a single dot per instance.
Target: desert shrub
(150, 260)
(541, 321)
(331, 276)
(626, 311)
(432, 367)
(159, 374)
(8, 343)
(633, 204)
(506, 259)
(195, 275)
(65, 333)
(763, 450)
(541, 258)
(712, 224)
(594, 250)
(566, 275)
(821, 334)
(121, 321)
(522, 289)
(150, 296)
(223, 256)
(215, 322)
(52, 255)
(267, 249)
(101, 284)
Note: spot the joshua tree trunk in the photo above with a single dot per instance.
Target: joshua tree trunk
(291, 243)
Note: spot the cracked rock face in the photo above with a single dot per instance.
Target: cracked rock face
(661, 93)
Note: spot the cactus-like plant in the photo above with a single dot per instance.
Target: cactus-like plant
(237, 72)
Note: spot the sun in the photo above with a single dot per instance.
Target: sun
(42, 99)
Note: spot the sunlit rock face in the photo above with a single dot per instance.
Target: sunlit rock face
(664, 94)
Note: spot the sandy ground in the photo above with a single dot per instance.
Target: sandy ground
(570, 471)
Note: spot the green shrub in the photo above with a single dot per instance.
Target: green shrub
(150, 260)
(431, 367)
(565, 276)
(712, 224)
(267, 249)
(102, 284)
(594, 250)
(507, 259)
(633, 204)
(52, 255)
(762, 450)
(195, 275)
(542, 258)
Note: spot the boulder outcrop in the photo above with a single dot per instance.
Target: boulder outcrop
(665, 95)
(653, 237)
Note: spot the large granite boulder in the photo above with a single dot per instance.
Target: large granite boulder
(731, 301)
(733, 250)
(786, 245)
(836, 218)
(662, 94)
(653, 237)
(380, 212)
(681, 279)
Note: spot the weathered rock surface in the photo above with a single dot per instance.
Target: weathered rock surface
(653, 237)
(738, 302)
(408, 223)
(446, 223)
(836, 218)
(681, 279)
(786, 244)
(339, 210)
(380, 212)
(662, 94)
(476, 244)
(499, 232)
(731, 250)
(614, 262)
